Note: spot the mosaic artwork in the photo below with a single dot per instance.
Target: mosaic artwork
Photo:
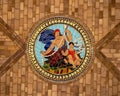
(60, 48)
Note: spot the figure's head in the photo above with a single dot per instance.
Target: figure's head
(57, 32)
(71, 44)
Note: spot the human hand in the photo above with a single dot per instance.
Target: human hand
(43, 53)
(62, 52)
(66, 30)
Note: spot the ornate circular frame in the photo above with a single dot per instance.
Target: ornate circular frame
(81, 28)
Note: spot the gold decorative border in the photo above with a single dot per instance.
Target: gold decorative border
(83, 30)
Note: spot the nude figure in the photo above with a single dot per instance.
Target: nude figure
(59, 41)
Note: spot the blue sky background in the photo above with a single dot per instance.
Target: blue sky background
(39, 46)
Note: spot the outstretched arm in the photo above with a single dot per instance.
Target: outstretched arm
(49, 49)
(68, 35)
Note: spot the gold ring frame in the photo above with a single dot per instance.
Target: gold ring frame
(86, 35)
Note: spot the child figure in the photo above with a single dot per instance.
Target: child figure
(72, 57)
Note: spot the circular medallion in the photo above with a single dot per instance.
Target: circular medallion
(60, 48)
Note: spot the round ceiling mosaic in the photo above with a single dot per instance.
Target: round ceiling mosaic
(60, 48)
